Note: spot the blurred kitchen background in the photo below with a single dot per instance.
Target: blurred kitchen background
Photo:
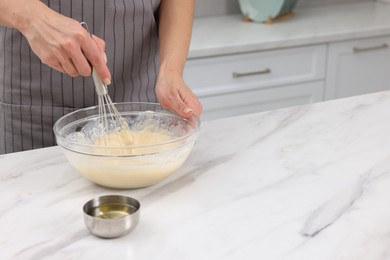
(327, 49)
(223, 7)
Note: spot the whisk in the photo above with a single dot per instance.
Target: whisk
(112, 127)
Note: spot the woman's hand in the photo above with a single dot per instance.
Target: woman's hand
(63, 44)
(174, 94)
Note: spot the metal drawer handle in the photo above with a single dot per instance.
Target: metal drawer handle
(379, 47)
(251, 73)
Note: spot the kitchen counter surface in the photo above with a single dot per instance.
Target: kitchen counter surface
(307, 182)
(228, 34)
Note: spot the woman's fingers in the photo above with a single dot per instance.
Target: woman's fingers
(101, 44)
(96, 58)
(76, 59)
(88, 52)
(56, 59)
(185, 106)
(58, 67)
(174, 94)
(190, 105)
(70, 68)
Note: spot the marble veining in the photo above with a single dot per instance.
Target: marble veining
(306, 182)
(333, 209)
(318, 24)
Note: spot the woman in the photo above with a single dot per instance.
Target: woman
(46, 58)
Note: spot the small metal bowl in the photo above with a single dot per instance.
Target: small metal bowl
(111, 216)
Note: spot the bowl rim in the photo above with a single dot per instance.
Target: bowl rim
(117, 199)
(136, 155)
(194, 133)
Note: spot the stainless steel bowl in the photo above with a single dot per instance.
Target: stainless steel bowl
(111, 216)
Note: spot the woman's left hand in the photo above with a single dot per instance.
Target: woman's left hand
(174, 94)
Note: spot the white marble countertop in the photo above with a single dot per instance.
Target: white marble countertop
(307, 182)
(223, 35)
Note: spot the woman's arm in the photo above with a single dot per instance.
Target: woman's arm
(175, 28)
(59, 41)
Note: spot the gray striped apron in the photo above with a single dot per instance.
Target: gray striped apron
(33, 96)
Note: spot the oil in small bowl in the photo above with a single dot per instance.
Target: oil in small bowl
(111, 216)
(112, 211)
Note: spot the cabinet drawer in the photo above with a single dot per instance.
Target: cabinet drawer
(209, 76)
(358, 67)
(234, 104)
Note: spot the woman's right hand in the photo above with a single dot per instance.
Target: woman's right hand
(63, 44)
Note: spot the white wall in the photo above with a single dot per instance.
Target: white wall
(322, 2)
(216, 7)
(221, 7)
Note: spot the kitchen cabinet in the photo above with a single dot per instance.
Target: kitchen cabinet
(358, 67)
(245, 83)
(324, 52)
(260, 99)
(232, 85)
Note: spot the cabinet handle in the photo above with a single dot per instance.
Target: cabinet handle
(251, 73)
(373, 48)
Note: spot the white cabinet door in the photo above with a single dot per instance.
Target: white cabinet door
(239, 103)
(358, 67)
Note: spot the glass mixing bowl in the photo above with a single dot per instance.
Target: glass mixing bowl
(130, 166)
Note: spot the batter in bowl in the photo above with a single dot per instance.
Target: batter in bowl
(134, 166)
(127, 139)
(117, 160)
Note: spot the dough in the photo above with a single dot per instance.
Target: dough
(133, 142)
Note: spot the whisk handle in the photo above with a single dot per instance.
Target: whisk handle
(100, 88)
